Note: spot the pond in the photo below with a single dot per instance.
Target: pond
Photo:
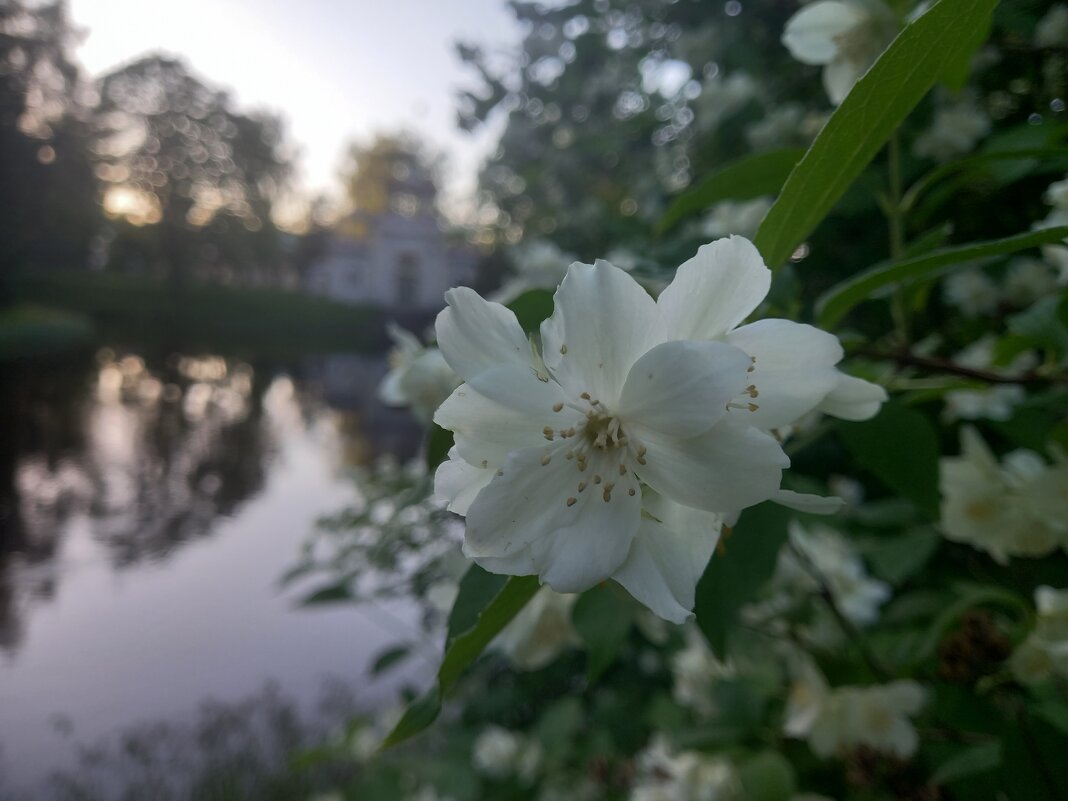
(149, 505)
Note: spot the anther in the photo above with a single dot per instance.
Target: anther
(569, 433)
(641, 455)
(622, 469)
(548, 433)
(572, 501)
(485, 463)
(585, 396)
(596, 479)
(581, 486)
(631, 492)
(563, 349)
(545, 459)
(558, 407)
(500, 473)
(751, 391)
(607, 494)
(752, 407)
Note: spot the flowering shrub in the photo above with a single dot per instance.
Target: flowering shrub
(788, 520)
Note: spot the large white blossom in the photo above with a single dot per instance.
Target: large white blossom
(1045, 651)
(616, 447)
(845, 36)
(540, 632)
(835, 721)
(1018, 507)
(418, 378)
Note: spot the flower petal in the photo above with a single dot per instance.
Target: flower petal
(475, 335)
(810, 33)
(713, 291)
(668, 556)
(682, 388)
(599, 328)
(485, 429)
(839, 77)
(812, 504)
(853, 399)
(459, 482)
(572, 544)
(793, 372)
(723, 470)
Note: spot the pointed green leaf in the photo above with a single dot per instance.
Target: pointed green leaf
(867, 118)
(603, 623)
(747, 178)
(969, 762)
(840, 299)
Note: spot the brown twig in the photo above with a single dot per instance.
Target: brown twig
(906, 359)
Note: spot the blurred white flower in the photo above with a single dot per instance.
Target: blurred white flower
(630, 404)
(501, 754)
(786, 125)
(1056, 195)
(418, 378)
(1052, 29)
(736, 217)
(664, 775)
(428, 793)
(995, 402)
(856, 594)
(1017, 508)
(696, 670)
(539, 264)
(540, 631)
(835, 721)
(846, 36)
(1027, 281)
(956, 128)
(1045, 651)
(971, 291)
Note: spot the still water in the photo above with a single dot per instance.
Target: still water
(149, 505)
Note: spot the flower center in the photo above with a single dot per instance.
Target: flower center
(603, 431)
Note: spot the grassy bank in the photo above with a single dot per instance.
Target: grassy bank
(218, 318)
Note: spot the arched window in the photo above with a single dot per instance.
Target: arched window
(407, 280)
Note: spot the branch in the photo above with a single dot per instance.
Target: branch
(905, 359)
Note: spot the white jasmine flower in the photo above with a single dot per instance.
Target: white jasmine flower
(696, 670)
(1052, 29)
(539, 264)
(835, 721)
(1011, 509)
(736, 217)
(972, 292)
(664, 775)
(617, 449)
(954, 131)
(501, 754)
(419, 377)
(846, 36)
(540, 631)
(857, 595)
(1045, 651)
(1056, 195)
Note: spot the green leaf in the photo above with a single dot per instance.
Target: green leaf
(867, 118)
(1054, 713)
(747, 178)
(840, 299)
(467, 647)
(389, 658)
(477, 588)
(532, 307)
(1042, 325)
(734, 576)
(601, 621)
(955, 73)
(897, 558)
(461, 653)
(900, 447)
(438, 443)
(768, 776)
(327, 595)
(968, 762)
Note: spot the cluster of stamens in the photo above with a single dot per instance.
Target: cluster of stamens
(750, 390)
(601, 431)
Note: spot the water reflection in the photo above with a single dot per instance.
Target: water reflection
(150, 455)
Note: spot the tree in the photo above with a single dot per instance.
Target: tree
(391, 172)
(173, 153)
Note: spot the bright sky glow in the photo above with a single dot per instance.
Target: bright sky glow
(335, 69)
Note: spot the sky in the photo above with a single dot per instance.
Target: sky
(337, 70)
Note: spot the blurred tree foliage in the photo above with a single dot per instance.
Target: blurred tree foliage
(173, 152)
(46, 182)
(392, 172)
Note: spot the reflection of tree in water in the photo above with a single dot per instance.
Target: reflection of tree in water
(145, 458)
